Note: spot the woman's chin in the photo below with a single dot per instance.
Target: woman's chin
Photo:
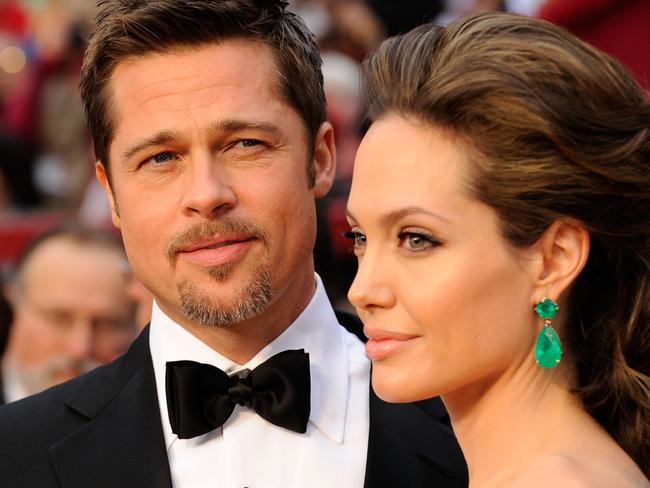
(395, 388)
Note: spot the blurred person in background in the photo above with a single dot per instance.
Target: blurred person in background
(40, 58)
(350, 27)
(64, 166)
(143, 300)
(71, 310)
(354, 31)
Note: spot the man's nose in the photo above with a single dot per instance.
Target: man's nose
(81, 342)
(208, 188)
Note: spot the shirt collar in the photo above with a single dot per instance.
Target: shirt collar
(316, 330)
(13, 387)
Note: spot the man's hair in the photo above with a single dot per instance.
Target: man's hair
(73, 232)
(134, 28)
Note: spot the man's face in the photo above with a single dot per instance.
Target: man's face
(209, 184)
(71, 312)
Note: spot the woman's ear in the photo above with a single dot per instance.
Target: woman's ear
(561, 254)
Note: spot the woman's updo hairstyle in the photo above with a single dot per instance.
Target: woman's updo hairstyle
(554, 129)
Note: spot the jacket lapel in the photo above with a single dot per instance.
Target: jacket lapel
(122, 442)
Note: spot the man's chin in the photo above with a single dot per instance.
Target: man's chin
(66, 373)
(63, 376)
(219, 305)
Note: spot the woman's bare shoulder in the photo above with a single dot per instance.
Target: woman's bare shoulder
(565, 471)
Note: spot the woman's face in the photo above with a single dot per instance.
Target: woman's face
(445, 301)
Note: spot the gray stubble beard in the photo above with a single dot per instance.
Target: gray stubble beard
(205, 310)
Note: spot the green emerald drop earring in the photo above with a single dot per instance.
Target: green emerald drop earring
(548, 349)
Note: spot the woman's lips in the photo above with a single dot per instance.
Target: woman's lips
(217, 252)
(383, 343)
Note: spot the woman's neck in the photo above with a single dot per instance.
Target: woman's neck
(503, 423)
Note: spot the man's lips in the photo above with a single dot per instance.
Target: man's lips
(384, 343)
(217, 251)
(216, 242)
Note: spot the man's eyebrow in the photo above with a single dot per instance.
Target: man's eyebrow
(234, 125)
(230, 125)
(394, 216)
(155, 140)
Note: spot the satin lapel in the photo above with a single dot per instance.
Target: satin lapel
(122, 444)
(409, 447)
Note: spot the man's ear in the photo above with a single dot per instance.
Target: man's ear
(561, 253)
(102, 177)
(324, 160)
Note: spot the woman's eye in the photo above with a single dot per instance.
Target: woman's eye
(356, 236)
(417, 242)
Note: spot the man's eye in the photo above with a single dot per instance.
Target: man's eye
(163, 157)
(59, 319)
(249, 142)
(159, 159)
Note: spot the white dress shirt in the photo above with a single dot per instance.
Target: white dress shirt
(248, 451)
(13, 387)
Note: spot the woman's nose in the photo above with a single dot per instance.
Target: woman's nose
(371, 287)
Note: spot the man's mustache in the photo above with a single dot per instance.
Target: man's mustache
(210, 229)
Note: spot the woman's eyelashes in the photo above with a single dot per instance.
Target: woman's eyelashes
(356, 236)
(417, 241)
(411, 240)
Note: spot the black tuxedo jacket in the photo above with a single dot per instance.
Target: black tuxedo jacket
(103, 430)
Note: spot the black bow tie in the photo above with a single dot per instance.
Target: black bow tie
(201, 397)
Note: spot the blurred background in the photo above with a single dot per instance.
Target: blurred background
(46, 156)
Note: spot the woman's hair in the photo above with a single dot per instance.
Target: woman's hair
(554, 129)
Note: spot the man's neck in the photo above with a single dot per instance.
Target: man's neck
(242, 341)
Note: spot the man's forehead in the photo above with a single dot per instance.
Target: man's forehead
(61, 253)
(230, 58)
(224, 81)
